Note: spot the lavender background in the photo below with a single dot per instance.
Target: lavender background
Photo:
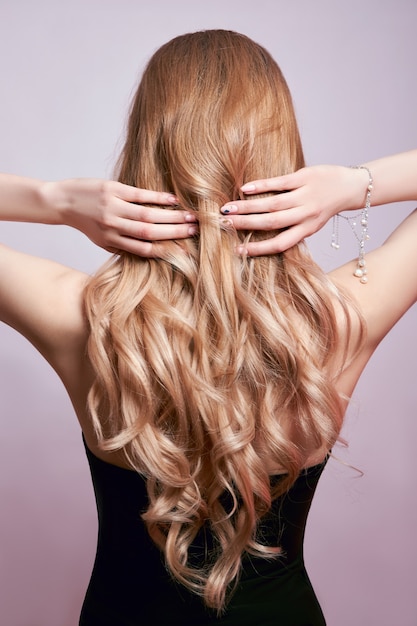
(67, 73)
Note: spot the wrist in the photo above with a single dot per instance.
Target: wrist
(361, 187)
(54, 202)
(342, 188)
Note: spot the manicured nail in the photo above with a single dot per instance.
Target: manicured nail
(190, 217)
(192, 230)
(248, 187)
(172, 200)
(229, 208)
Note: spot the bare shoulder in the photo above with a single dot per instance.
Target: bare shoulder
(392, 281)
(43, 301)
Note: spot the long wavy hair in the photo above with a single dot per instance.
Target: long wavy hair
(211, 368)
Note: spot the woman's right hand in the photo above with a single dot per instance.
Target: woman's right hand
(112, 214)
(304, 201)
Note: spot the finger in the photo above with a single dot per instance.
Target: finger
(278, 183)
(281, 242)
(144, 249)
(134, 194)
(268, 221)
(154, 232)
(155, 215)
(278, 202)
(133, 246)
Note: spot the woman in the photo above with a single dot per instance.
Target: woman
(216, 383)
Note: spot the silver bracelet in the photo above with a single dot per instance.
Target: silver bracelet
(363, 235)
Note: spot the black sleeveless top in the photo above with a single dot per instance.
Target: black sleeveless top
(130, 585)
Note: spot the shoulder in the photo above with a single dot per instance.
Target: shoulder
(43, 301)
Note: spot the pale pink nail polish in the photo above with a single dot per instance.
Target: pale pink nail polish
(248, 187)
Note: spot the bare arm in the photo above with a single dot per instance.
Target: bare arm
(314, 195)
(108, 212)
(395, 178)
(392, 286)
(43, 301)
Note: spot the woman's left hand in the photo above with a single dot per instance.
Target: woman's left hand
(312, 196)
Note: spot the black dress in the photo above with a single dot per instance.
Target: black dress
(130, 585)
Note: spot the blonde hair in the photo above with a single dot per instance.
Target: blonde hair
(212, 367)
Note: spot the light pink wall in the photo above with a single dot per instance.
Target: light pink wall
(66, 73)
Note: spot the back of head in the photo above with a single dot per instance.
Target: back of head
(212, 111)
(212, 368)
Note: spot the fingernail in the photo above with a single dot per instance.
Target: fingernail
(172, 200)
(190, 217)
(192, 230)
(229, 208)
(248, 187)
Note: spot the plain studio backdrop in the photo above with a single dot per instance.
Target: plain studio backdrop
(68, 71)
